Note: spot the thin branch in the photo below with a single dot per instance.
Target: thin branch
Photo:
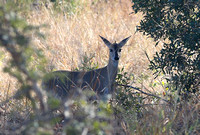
(149, 94)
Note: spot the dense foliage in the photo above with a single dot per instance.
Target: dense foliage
(14, 37)
(175, 23)
(25, 111)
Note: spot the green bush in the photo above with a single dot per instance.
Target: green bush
(176, 25)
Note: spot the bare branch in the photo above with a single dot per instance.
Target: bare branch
(149, 94)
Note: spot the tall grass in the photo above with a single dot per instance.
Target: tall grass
(73, 36)
(69, 38)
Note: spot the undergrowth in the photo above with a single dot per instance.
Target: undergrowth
(140, 104)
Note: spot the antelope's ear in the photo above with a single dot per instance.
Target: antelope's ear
(105, 41)
(123, 42)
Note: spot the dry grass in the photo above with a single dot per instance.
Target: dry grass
(69, 38)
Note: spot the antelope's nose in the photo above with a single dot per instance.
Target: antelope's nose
(116, 58)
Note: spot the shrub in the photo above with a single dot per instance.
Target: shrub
(176, 25)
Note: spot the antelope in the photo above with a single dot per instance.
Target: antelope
(64, 83)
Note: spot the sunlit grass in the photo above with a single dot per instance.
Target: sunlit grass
(71, 37)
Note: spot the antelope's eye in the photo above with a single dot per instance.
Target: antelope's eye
(111, 50)
(120, 50)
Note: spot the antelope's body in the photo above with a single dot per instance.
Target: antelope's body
(64, 83)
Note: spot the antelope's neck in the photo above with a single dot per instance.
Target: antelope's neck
(112, 70)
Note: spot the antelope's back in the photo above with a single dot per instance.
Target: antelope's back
(64, 84)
